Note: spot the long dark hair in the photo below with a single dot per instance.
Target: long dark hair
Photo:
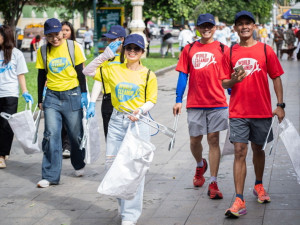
(71, 28)
(8, 42)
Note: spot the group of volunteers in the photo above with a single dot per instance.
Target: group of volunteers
(209, 66)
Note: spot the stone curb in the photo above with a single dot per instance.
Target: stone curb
(164, 70)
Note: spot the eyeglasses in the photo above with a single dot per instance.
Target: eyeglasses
(51, 37)
(136, 49)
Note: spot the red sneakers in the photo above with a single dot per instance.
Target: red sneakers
(262, 195)
(237, 209)
(214, 192)
(199, 178)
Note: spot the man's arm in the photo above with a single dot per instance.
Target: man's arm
(279, 111)
(235, 78)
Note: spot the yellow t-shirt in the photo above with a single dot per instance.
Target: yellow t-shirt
(105, 75)
(61, 74)
(263, 32)
(128, 86)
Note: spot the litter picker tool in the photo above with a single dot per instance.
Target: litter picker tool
(266, 141)
(162, 128)
(85, 130)
(172, 142)
(37, 124)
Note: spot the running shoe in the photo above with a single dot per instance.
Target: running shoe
(213, 191)
(262, 195)
(66, 154)
(199, 178)
(237, 209)
(2, 162)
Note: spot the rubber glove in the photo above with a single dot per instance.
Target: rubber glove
(84, 100)
(114, 46)
(91, 110)
(27, 97)
(229, 91)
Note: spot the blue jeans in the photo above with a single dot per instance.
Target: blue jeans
(61, 108)
(130, 210)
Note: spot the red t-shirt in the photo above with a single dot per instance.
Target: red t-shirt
(203, 62)
(34, 40)
(251, 98)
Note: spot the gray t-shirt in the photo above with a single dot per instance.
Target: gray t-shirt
(9, 84)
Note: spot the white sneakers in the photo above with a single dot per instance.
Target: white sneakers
(124, 222)
(43, 183)
(66, 154)
(2, 163)
(79, 173)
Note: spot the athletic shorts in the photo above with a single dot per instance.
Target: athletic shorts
(255, 130)
(203, 122)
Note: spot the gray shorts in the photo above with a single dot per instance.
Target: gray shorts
(255, 130)
(202, 122)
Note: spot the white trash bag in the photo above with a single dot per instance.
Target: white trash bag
(291, 141)
(91, 138)
(129, 167)
(23, 126)
(228, 148)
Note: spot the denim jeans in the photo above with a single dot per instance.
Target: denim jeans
(130, 210)
(61, 108)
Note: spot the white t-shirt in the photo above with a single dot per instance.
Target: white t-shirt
(88, 36)
(185, 37)
(9, 84)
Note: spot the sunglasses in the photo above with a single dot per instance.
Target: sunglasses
(136, 49)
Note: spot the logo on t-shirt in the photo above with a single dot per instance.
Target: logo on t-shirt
(4, 67)
(202, 59)
(127, 91)
(250, 65)
(59, 64)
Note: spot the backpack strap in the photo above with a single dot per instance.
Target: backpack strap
(191, 45)
(147, 78)
(265, 49)
(222, 47)
(71, 49)
(102, 79)
(44, 56)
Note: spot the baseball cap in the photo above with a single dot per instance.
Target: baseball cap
(135, 39)
(206, 18)
(244, 13)
(115, 32)
(52, 26)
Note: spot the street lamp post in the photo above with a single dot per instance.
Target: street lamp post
(137, 24)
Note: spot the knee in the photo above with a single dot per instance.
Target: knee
(195, 141)
(240, 152)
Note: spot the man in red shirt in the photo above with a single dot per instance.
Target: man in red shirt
(206, 102)
(250, 109)
(34, 45)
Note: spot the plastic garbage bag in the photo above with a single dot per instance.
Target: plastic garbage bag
(291, 141)
(129, 167)
(23, 126)
(228, 148)
(91, 138)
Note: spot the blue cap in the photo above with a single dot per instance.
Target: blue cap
(244, 13)
(52, 26)
(135, 39)
(115, 32)
(206, 18)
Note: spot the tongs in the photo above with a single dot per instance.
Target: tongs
(162, 128)
(85, 131)
(172, 142)
(37, 124)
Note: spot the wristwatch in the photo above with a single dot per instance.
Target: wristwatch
(282, 105)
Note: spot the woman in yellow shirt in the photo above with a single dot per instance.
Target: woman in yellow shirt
(65, 96)
(133, 86)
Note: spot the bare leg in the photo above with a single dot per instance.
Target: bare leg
(239, 166)
(214, 153)
(196, 147)
(258, 160)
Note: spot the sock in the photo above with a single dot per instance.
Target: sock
(200, 164)
(213, 179)
(258, 182)
(240, 196)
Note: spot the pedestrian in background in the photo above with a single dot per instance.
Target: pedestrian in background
(166, 45)
(88, 38)
(200, 63)
(148, 35)
(263, 34)
(250, 109)
(185, 37)
(278, 39)
(12, 76)
(290, 40)
(116, 33)
(66, 94)
(234, 38)
(131, 75)
(34, 46)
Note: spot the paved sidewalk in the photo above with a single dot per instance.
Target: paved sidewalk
(170, 198)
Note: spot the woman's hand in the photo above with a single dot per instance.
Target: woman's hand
(136, 113)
